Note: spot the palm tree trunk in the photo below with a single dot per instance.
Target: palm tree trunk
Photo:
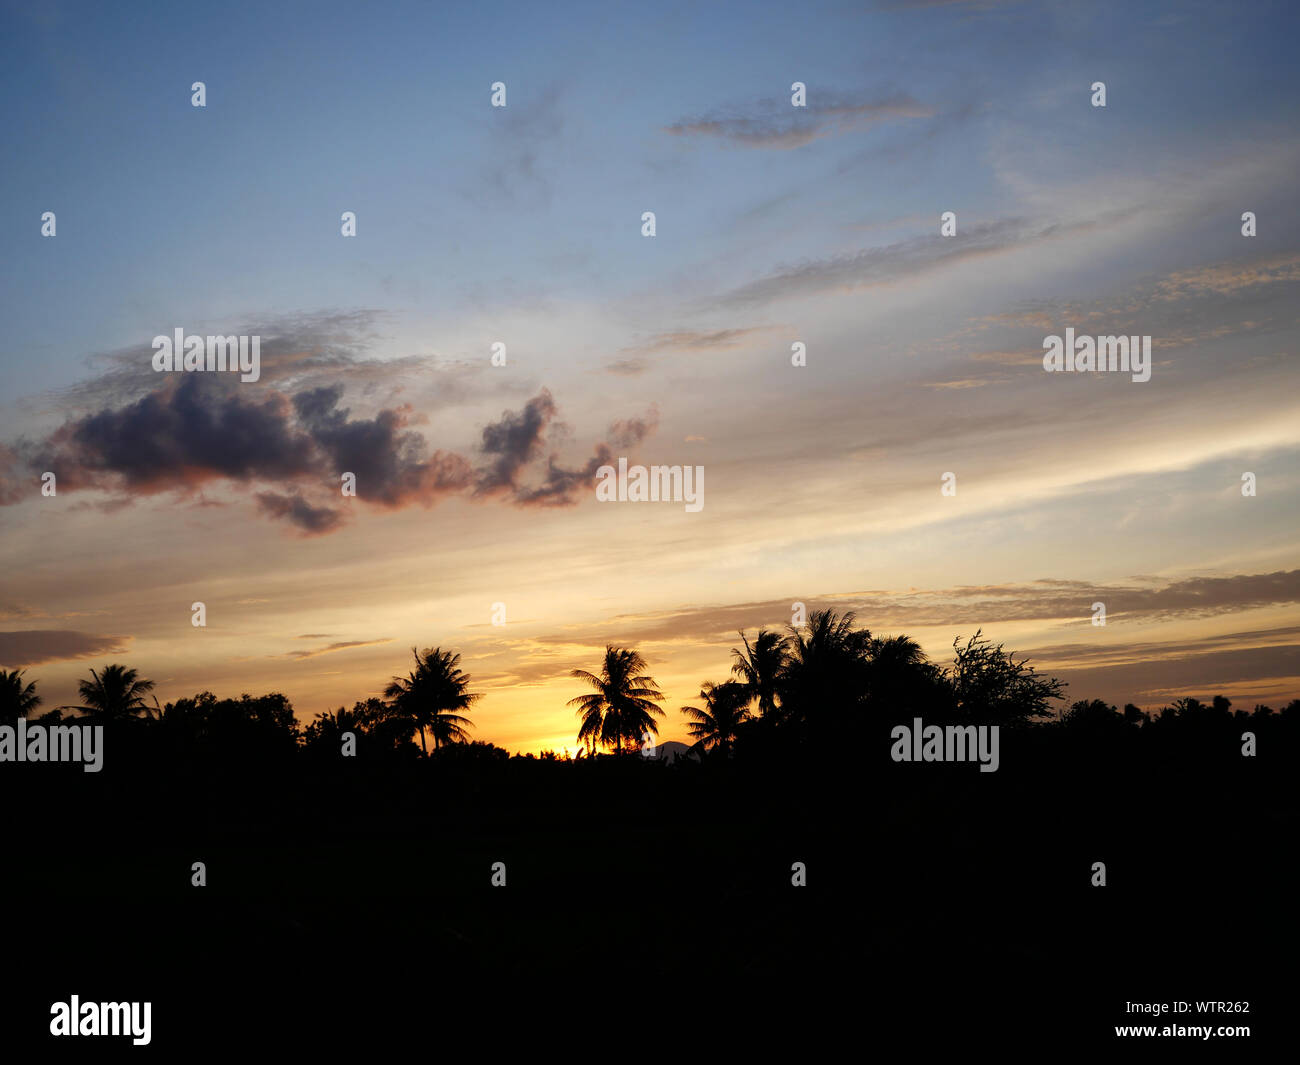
(422, 743)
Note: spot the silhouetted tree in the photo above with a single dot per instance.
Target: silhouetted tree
(620, 708)
(1186, 709)
(1133, 715)
(901, 680)
(430, 696)
(377, 726)
(16, 698)
(116, 694)
(247, 727)
(826, 673)
(988, 683)
(759, 667)
(1091, 714)
(328, 728)
(715, 726)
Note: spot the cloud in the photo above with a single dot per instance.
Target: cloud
(963, 383)
(1185, 309)
(199, 428)
(521, 134)
(1012, 358)
(1092, 655)
(517, 439)
(632, 431)
(31, 647)
(562, 485)
(296, 351)
(182, 435)
(895, 262)
(332, 648)
(1245, 666)
(513, 442)
(1050, 600)
(698, 340)
(967, 607)
(685, 340)
(387, 459)
(1228, 278)
(296, 510)
(775, 123)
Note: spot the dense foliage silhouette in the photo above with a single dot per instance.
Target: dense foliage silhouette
(957, 891)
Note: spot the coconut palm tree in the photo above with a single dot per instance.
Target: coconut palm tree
(759, 667)
(116, 694)
(430, 696)
(825, 674)
(725, 709)
(901, 678)
(16, 699)
(619, 710)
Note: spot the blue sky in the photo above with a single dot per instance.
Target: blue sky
(314, 109)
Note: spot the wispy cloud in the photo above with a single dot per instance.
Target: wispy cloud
(1048, 600)
(334, 647)
(776, 123)
(904, 259)
(698, 340)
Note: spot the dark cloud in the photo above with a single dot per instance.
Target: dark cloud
(34, 646)
(517, 439)
(513, 442)
(189, 431)
(388, 460)
(312, 520)
(198, 428)
(561, 486)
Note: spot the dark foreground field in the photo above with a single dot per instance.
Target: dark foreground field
(943, 907)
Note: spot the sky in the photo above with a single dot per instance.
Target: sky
(522, 225)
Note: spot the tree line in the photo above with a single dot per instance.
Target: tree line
(811, 685)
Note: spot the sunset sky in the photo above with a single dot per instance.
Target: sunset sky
(522, 225)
